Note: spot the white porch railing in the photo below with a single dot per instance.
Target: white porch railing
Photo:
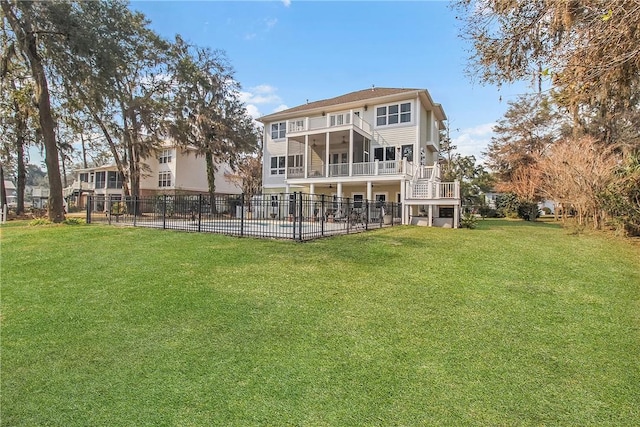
(368, 168)
(340, 169)
(332, 120)
(390, 167)
(295, 172)
(435, 190)
(426, 172)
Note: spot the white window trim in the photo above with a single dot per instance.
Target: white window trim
(279, 170)
(398, 104)
(282, 127)
(164, 179)
(166, 156)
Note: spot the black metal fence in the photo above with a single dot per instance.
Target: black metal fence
(296, 216)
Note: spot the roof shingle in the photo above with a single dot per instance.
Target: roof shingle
(361, 95)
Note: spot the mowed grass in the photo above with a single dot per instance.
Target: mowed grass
(510, 324)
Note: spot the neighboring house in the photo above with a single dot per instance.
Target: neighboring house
(491, 199)
(12, 194)
(39, 197)
(377, 144)
(173, 171)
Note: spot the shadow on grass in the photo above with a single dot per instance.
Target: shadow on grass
(491, 223)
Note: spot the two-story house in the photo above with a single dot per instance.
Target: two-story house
(172, 171)
(377, 144)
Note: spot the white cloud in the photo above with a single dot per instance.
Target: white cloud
(253, 111)
(280, 107)
(250, 36)
(271, 23)
(286, 3)
(261, 94)
(474, 140)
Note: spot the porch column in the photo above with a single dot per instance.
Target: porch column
(369, 190)
(286, 159)
(287, 188)
(350, 157)
(405, 211)
(339, 190)
(456, 214)
(326, 153)
(306, 156)
(430, 216)
(312, 190)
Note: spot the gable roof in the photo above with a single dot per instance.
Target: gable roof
(361, 95)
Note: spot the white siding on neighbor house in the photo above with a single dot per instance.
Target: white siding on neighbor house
(191, 172)
(149, 178)
(224, 185)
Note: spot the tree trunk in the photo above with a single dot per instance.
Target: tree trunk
(21, 128)
(211, 179)
(110, 142)
(3, 190)
(84, 151)
(22, 174)
(28, 45)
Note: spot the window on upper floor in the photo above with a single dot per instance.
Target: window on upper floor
(296, 126)
(278, 130)
(277, 165)
(84, 177)
(164, 179)
(100, 179)
(295, 161)
(165, 156)
(393, 114)
(114, 179)
(339, 119)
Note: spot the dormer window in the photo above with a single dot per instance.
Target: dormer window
(278, 130)
(393, 114)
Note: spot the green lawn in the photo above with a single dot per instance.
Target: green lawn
(510, 324)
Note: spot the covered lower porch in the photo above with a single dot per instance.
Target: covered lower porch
(438, 212)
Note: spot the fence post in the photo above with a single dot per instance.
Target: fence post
(242, 215)
(322, 213)
(164, 211)
(301, 211)
(107, 201)
(292, 214)
(347, 214)
(366, 215)
(199, 212)
(135, 210)
(89, 203)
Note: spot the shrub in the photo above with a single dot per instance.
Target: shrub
(487, 212)
(39, 221)
(74, 221)
(469, 220)
(528, 211)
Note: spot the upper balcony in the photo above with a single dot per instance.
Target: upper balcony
(344, 119)
(377, 168)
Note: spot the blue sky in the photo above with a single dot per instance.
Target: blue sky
(287, 52)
